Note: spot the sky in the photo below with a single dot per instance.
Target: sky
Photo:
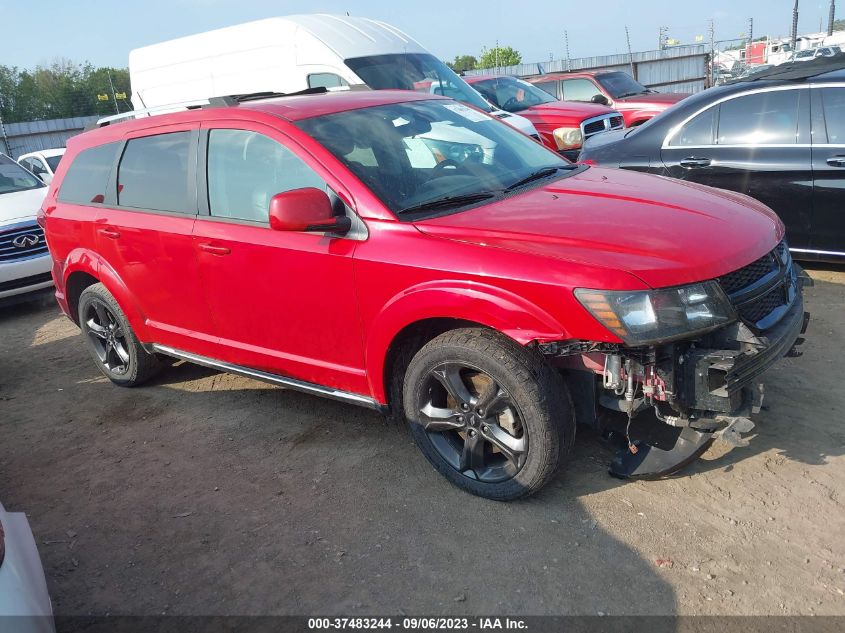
(36, 33)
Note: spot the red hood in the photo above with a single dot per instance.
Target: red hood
(662, 99)
(664, 231)
(560, 113)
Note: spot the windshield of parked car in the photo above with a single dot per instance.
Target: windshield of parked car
(620, 85)
(415, 71)
(14, 178)
(511, 94)
(53, 161)
(426, 158)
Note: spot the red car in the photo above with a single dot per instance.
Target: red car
(563, 127)
(409, 254)
(615, 89)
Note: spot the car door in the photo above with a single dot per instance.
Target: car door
(282, 301)
(579, 89)
(144, 233)
(755, 143)
(828, 106)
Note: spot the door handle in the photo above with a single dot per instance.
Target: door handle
(692, 162)
(836, 161)
(214, 250)
(109, 233)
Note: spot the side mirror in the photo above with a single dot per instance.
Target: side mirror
(600, 99)
(307, 209)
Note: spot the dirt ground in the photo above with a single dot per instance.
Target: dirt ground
(205, 493)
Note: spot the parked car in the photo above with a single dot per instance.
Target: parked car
(562, 126)
(781, 141)
(42, 163)
(24, 261)
(24, 602)
(293, 53)
(814, 53)
(615, 89)
(490, 301)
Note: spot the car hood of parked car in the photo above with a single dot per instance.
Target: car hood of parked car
(651, 99)
(559, 113)
(663, 231)
(21, 205)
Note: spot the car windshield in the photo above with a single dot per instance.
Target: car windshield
(14, 178)
(415, 71)
(425, 158)
(53, 161)
(621, 85)
(512, 94)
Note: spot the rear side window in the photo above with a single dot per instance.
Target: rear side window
(246, 169)
(87, 177)
(153, 173)
(834, 114)
(697, 131)
(763, 118)
(548, 86)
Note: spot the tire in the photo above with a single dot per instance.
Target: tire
(489, 414)
(111, 341)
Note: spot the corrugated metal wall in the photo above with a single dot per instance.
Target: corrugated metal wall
(31, 136)
(676, 69)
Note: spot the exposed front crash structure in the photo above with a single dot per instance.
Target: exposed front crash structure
(673, 398)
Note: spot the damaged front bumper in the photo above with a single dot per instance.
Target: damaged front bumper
(673, 400)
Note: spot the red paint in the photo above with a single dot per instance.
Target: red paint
(326, 309)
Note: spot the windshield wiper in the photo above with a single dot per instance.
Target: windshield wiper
(538, 175)
(448, 202)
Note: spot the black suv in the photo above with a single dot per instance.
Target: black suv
(778, 137)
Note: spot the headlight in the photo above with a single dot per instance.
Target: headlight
(650, 316)
(568, 137)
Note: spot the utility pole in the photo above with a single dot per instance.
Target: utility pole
(831, 17)
(794, 25)
(750, 30)
(4, 137)
(113, 95)
(630, 54)
(661, 37)
(568, 59)
(711, 29)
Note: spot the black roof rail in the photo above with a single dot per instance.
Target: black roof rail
(232, 100)
(797, 71)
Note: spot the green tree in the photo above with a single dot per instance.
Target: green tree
(499, 56)
(462, 63)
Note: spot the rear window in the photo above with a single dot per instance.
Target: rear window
(153, 173)
(87, 177)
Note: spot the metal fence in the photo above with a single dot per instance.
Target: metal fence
(31, 136)
(675, 69)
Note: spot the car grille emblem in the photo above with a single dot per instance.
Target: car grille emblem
(25, 241)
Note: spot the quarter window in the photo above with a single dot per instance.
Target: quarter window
(763, 118)
(834, 114)
(579, 90)
(326, 80)
(697, 131)
(246, 169)
(87, 177)
(153, 173)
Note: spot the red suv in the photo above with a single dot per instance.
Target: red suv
(563, 127)
(412, 255)
(615, 89)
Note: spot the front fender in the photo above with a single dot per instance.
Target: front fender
(486, 305)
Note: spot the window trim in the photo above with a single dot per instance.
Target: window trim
(111, 198)
(677, 128)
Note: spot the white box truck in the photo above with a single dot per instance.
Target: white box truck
(292, 53)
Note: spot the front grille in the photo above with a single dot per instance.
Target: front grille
(22, 242)
(602, 123)
(25, 282)
(762, 291)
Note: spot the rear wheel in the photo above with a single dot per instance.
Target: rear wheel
(111, 341)
(489, 414)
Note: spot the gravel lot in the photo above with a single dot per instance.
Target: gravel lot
(205, 493)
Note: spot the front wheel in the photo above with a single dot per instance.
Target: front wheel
(111, 341)
(489, 414)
